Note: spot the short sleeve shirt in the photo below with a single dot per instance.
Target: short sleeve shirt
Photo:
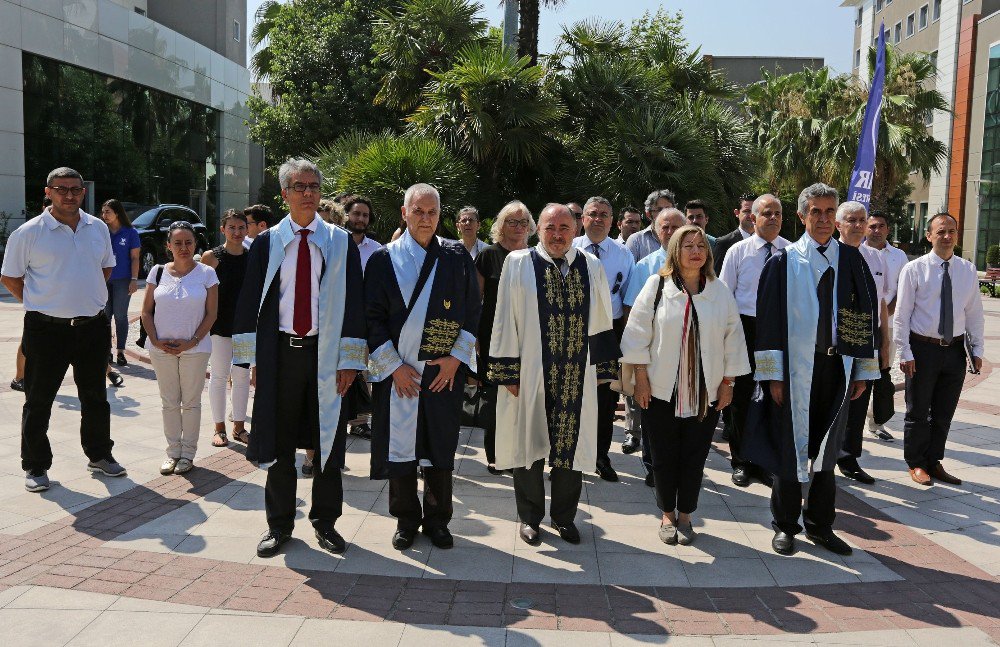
(63, 269)
(123, 242)
(180, 303)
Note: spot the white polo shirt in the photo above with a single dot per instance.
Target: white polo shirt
(63, 269)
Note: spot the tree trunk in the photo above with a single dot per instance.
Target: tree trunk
(527, 35)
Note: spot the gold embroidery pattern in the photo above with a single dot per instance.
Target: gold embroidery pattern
(379, 363)
(574, 288)
(767, 365)
(564, 433)
(244, 348)
(503, 371)
(465, 346)
(556, 333)
(854, 327)
(440, 336)
(607, 370)
(553, 287)
(868, 364)
(353, 351)
(572, 384)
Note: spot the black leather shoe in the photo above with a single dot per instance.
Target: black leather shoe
(440, 537)
(649, 480)
(854, 471)
(271, 542)
(492, 469)
(331, 541)
(403, 539)
(631, 444)
(740, 477)
(606, 472)
(568, 532)
(530, 534)
(832, 543)
(783, 543)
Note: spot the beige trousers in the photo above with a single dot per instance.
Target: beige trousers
(181, 379)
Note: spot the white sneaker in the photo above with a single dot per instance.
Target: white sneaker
(183, 465)
(168, 466)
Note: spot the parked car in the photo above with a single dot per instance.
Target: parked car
(152, 223)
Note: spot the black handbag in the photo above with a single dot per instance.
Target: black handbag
(141, 341)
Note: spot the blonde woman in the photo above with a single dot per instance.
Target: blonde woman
(685, 339)
(510, 232)
(332, 212)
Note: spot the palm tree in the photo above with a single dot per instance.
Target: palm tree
(423, 36)
(527, 34)
(490, 107)
(264, 21)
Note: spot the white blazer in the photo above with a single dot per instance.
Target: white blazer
(723, 347)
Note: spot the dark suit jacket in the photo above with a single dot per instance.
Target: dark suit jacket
(722, 245)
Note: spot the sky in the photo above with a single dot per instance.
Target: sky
(812, 28)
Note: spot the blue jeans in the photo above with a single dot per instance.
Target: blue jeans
(117, 308)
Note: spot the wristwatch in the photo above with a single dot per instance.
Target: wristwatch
(729, 383)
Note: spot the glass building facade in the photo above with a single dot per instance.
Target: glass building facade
(136, 144)
(989, 187)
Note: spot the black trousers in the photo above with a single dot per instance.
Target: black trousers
(736, 413)
(488, 419)
(404, 504)
(931, 398)
(607, 405)
(679, 448)
(857, 414)
(49, 350)
(787, 494)
(298, 413)
(529, 493)
(883, 396)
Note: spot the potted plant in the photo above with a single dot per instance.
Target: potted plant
(993, 256)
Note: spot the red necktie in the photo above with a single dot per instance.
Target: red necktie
(302, 315)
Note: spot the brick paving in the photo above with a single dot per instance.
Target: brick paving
(939, 589)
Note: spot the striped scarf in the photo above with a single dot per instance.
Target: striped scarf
(690, 399)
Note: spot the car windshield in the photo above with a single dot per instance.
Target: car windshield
(144, 219)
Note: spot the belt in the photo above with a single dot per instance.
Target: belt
(66, 321)
(298, 342)
(936, 341)
(832, 350)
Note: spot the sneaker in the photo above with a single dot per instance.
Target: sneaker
(183, 465)
(107, 467)
(120, 360)
(168, 466)
(685, 534)
(36, 480)
(362, 430)
(880, 432)
(17, 385)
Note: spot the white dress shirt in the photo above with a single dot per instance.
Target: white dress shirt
(478, 247)
(366, 248)
(286, 287)
(893, 260)
(247, 242)
(876, 265)
(742, 267)
(918, 302)
(618, 264)
(63, 270)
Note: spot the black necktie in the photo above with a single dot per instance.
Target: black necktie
(946, 324)
(824, 291)
(596, 249)
(560, 264)
(770, 250)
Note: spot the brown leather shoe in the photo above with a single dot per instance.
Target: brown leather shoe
(920, 476)
(938, 472)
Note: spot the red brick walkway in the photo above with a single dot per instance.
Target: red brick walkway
(939, 589)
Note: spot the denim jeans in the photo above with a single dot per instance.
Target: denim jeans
(117, 308)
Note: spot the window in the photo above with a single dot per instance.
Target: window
(936, 14)
(141, 12)
(929, 118)
(878, 5)
(897, 33)
(857, 58)
(236, 30)
(910, 22)
(933, 57)
(924, 10)
(861, 14)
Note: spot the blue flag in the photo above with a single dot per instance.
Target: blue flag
(864, 166)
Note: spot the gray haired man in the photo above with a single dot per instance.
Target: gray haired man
(647, 241)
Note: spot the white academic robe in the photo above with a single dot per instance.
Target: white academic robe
(519, 341)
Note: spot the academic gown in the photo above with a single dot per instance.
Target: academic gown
(549, 335)
(341, 343)
(777, 439)
(442, 320)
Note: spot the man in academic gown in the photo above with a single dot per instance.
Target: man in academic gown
(552, 330)
(300, 324)
(817, 335)
(423, 304)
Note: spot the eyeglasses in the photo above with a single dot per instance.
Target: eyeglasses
(64, 190)
(467, 221)
(302, 187)
(517, 223)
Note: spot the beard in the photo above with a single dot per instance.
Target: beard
(357, 228)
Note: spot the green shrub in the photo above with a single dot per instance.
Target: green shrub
(993, 256)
